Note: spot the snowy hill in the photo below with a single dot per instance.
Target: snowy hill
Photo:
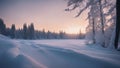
(55, 54)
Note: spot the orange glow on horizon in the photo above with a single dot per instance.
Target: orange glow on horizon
(54, 20)
(74, 30)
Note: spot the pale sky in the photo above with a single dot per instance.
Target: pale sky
(45, 14)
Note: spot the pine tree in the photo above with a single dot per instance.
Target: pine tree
(48, 35)
(43, 34)
(2, 27)
(13, 29)
(25, 35)
(31, 31)
(61, 34)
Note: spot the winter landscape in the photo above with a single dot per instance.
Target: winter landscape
(45, 34)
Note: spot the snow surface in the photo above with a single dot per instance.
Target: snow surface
(55, 54)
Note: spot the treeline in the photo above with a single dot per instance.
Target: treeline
(28, 32)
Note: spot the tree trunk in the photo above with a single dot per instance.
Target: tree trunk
(117, 32)
(102, 22)
(93, 30)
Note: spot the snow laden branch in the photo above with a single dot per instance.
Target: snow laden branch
(102, 19)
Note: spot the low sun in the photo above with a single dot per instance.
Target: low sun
(73, 30)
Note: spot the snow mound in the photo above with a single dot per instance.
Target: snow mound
(10, 56)
(3, 37)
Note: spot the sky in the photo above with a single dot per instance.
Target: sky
(45, 14)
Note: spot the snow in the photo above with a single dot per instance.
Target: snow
(4, 37)
(10, 56)
(55, 54)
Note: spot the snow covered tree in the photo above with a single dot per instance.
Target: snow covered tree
(110, 24)
(62, 35)
(98, 30)
(2, 27)
(25, 34)
(91, 27)
(19, 34)
(8, 32)
(43, 34)
(48, 35)
(13, 29)
(31, 31)
(94, 6)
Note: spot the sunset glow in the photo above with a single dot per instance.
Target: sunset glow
(45, 15)
(73, 30)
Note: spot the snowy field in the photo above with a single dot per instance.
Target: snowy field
(55, 54)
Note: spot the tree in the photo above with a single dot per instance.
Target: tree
(13, 29)
(48, 35)
(117, 32)
(19, 34)
(83, 5)
(43, 34)
(8, 32)
(2, 27)
(92, 22)
(25, 35)
(102, 21)
(96, 15)
(62, 34)
(31, 31)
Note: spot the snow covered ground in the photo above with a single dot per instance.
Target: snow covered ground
(55, 54)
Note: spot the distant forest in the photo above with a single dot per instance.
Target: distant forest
(28, 32)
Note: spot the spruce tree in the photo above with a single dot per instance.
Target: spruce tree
(13, 29)
(25, 35)
(2, 27)
(31, 31)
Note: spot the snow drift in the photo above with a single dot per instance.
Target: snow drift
(10, 56)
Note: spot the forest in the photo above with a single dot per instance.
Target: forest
(29, 32)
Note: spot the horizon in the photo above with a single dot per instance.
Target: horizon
(44, 29)
(44, 14)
